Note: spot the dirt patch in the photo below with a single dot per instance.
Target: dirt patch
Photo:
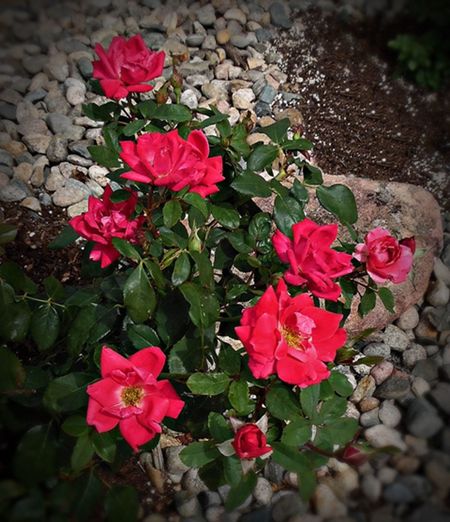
(362, 120)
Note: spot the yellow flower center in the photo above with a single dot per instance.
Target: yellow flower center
(132, 395)
(294, 339)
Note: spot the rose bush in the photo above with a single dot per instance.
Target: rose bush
(178, 255)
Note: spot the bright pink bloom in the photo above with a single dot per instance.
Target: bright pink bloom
(129, 395)
(169, 160)
(290, 336)
(126, 66)
(312, 261)
(105, 220)
(250, 442)
(386, 259)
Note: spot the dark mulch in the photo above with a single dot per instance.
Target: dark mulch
(362, 119)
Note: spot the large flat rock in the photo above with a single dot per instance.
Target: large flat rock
(404, 209)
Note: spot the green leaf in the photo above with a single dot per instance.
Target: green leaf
(342, 430)
(288, 457)
(66, 237)
(208, 383)
(277, 132)
(251, 184)
(229, 360)
(282, 403)
(12, 374)
(133, 127)
(104, 156)
(367, 303)
(197, 454)
(332, 408)
(300, 192)
(184, 356)
(100, 112)
(197, 202)
(297, 433)
(204, 307)
(239, 492)
(15, 276)
(226, 216)
(287, 212)
(35, 457)
(82, 453)
(309, 399)
(232, 468)
(67, 393)
(45, 327)
(172, 213)
(340, 384)
(104, 446)
(205, 269)
(75, 426)
(181, 269)
(238, 140)
(15, 321)
(172, 112)
(126, 248)
(307, 482)
(261, 157)
(219, 427)
(387, 298)
(312, 175)
(122, 504)
(142, 336)
(340, 201)
(8, 233)
(298, 144)
(54, 288)
(88, 497)
(239, 398)
(139, 296)
(80, 328)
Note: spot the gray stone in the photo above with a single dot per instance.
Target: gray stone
(61, 124)
(54, 180)
(327, 504)
(77, 209)
(279, 15)
(395, 387)
(241, 41)
(267, 94)
(81, 148)
(430, 513)
(262, 109)
(195, 40)
(34, 64)
(173, 461)
(420, 386)
(237, 14)
(389, 414)
(438, 293)
(189, 98)
(377, 350)
(7, 111)
(395, 338)
(76, 91)
(206, 15)
(192, 483)
(191, 68)
(187, 504)
(364, 389)
(414, 354)
(57, 67)
(380, 436)
(257, 515)
(215, 514)
(274, 472)
(370, 418)
(243, 98)
(32, 126)
(56, 102)
(72, 192)
(35, 96)
(422, 419)
(31, 203)
(263, 35)
(57, 149)
(441, 396)
(371, 487)
(6, 158)
(427, 369)
(409, 319)
(85, 67)
(287, 506)
(398, 493)
(441, 271)
(15, 190)
(263, 492)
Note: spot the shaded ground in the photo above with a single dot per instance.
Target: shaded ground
(362, 120)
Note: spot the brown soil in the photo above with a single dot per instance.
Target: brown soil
(362, 120)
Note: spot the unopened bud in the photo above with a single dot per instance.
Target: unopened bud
(195, 244)
(176, 80)
(162, 95)
(354, 456)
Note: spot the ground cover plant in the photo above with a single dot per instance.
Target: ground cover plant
(204, 314)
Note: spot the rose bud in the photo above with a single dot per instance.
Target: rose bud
(250, 442)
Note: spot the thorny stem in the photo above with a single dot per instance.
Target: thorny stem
(44, 301)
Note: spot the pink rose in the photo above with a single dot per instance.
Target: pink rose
(169, 160)
(250, 442)
(126, 66)
(129, 395)
(105, 220)
(290, 337)
(312, 261)
(386, 259)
